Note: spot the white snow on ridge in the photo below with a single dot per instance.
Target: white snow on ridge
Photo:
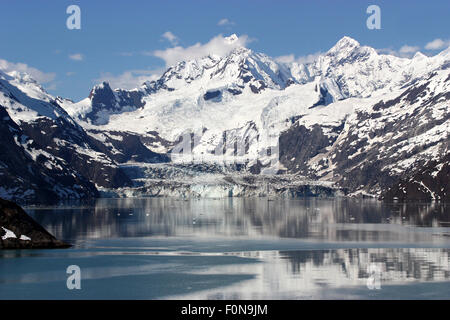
(347, 70)
(24, 238)
(75, 109)
(25, 100)
(251, 98)
(9, 234)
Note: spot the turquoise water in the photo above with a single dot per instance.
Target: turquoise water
(236, 249)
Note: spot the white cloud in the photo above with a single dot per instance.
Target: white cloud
(225, 22)
(308, 58)
(76, 57)
(389, 51)
(38, 75)
(129, 79)
(169, 36)
(300, 59)
(405, 51)
(218, 45)
(286, 59)
(437, 44)
(409, 49)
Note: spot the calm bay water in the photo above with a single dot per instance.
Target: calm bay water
(159, 248)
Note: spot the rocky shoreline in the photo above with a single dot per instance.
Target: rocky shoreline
(19, 231)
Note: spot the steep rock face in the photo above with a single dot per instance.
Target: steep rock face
(20, 231)
(42, 179)
(430, 182)
(396, 138)
(123, 146)
(105, 101)
(298, 145)
(58, 146)
(71, 144)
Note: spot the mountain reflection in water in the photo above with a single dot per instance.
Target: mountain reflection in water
(233, 248)
(333, 220)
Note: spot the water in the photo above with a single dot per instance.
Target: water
(237, 249)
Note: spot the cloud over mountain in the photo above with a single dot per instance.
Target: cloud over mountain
(169, 36)
(218, 45)
(437, 44)
(129, 79)
(38, 75)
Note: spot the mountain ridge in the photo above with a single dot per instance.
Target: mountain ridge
(245, 97)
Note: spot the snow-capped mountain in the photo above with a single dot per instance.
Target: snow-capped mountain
(351, 70)
(227, 92)
(45, 150)
(366, 122)
(395, 138)
(314, 108)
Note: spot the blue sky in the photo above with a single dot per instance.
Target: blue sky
(118, 39)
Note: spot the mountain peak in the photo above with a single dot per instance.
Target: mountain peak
(345, 43)
(103, 87)
(232, 38)
(419, 56)
(22, 77)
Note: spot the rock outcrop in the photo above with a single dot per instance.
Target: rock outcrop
(19, 231)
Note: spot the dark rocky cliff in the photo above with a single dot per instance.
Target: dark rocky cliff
(19, 231)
